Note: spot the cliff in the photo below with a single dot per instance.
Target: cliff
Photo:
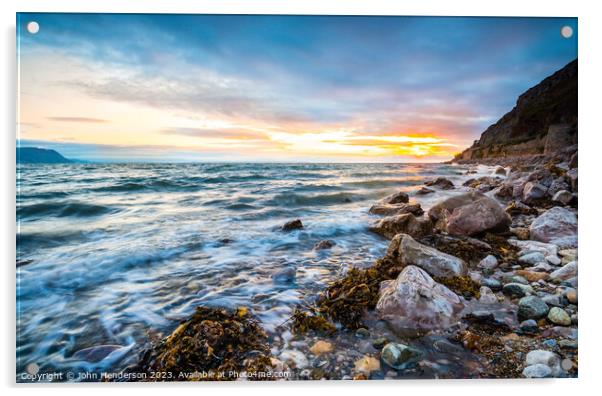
(544, 121)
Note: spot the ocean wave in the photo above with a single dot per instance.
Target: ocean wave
(152, 185)
(340, 198)
(62, 209)
(378, 183)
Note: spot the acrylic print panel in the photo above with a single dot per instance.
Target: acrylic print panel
(221, 197)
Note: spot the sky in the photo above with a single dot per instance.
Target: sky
(130, 88)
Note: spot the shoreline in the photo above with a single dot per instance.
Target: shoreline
(514, 308)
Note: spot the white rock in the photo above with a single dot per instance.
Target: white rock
(525, 247)
(537, 371)
(489, 262)
(547, 358)
(294, 357)
(487, 296)
(554, 260)
(566, 272)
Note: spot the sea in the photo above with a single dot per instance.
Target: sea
(117, 254)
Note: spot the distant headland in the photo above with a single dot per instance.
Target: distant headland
(35, 155)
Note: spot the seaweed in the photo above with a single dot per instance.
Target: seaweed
(213, 344)
(463, 285)
(304, 322)
(468, 251)
(346, 300)
(501, 248)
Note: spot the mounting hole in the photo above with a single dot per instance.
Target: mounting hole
(33, 27)
(566, 32)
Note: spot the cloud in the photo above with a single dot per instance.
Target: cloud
(78, 119)
(224, 133)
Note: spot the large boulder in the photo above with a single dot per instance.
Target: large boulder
(403, 224)
(557, 225)
(387, 209)
(469, 214)
(436, 263)
(415, 301)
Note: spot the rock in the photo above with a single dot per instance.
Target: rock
(415, 301)
(294, 358)
(529, 326)
(367, 364)
(573, 178)
(292, 225)
(504, 191)
(532, 276)
(403, 224)
(552, 300)
(321, 347)
(487, 296)
(532, 258)
(493, 284)
(500, 171)
(546, 358)
(440, 182)
(396, 209)
(557, 225)
(566, 272)
(516, 279)
(96, 353)
(400, 356)
(532, 307)
(542, 267)
(571, 296)
(563, 196)
(436, 263)
(489, 262)
(424, 191)
(469, 214)
(559, 316)
(573, 162)
(515, 208)
(533, 192)
(537, 371)
(517, 290)
(285, 275)
(521, 233)
(379, 342)
(547, 249)
(559, 184)
(362, 332)
(324, 244)
(554, 260)
(396, 198)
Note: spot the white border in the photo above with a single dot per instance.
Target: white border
(590, 68)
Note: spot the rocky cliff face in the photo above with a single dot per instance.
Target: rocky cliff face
(544, 121)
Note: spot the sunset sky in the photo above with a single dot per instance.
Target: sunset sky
(104, 87)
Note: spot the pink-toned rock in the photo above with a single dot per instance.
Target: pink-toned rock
(415, 301)
(469, 214)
